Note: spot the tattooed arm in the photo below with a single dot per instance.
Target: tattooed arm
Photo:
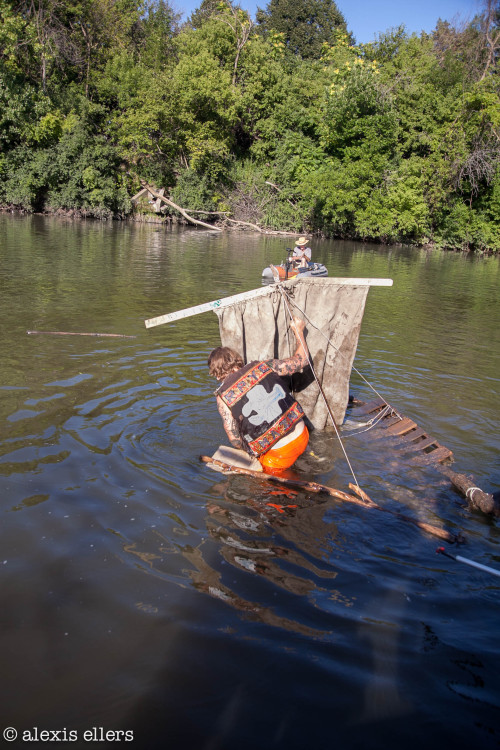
(230, 424)
(297, 361)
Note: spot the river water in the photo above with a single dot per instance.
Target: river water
(142, 592)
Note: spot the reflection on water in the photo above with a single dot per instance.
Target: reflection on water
(141, 590)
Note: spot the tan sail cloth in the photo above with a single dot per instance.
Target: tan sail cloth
(260, 329)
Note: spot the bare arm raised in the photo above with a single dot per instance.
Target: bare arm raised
(299, 359)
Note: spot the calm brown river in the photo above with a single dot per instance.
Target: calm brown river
(150, 602)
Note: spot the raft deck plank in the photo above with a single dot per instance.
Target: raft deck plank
(416, 434)
(404, 435)
(434, 457)
(370, 407)
(402, 427)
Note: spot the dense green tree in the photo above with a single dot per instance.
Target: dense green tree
(155, 37)
(81, 171)
(286, 123)
(305, 24)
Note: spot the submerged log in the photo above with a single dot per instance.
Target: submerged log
(363, 499)
(476, 498)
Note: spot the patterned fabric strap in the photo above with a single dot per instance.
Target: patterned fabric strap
(247, 381)
(278, 430)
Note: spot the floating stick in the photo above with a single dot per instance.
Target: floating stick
(472, 563)
(77, 333)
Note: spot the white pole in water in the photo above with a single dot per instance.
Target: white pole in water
(253, 293)
(472, 563)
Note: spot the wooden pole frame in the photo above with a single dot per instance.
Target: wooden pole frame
(255, 293)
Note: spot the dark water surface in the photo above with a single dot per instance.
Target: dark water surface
(143, 592)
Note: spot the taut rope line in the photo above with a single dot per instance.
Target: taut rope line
(336, 348)
(299, 337)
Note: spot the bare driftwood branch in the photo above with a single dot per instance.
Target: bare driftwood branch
(259, 229)
(182, 211)
(246, 224)
(362, 498)
(208, 213)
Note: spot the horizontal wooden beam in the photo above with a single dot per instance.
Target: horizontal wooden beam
(254, 294)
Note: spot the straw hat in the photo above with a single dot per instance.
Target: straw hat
(301, 241)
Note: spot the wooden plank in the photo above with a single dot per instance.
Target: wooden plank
(216, 304)
(349, 281)
(427, 459)
(415, 435)
(421, 445)
(401, 426)
(255, 293)
(370, 407)
(383, 425)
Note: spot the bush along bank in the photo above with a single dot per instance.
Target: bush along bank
(238, 121)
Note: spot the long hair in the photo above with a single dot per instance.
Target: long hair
(222, 361)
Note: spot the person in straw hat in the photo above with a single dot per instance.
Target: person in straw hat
(301, 252)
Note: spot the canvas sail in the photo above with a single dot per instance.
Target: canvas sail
(259, 329)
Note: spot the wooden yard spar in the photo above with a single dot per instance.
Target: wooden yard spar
(264, 291)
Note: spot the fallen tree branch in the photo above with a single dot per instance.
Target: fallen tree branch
(208, 213)
(259, 229)
(182, 211)
(429, 528)
(246, 224)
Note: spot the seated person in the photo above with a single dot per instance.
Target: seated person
(301, 253)
(258, 410)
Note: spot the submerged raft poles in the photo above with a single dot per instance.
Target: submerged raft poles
(472, 563)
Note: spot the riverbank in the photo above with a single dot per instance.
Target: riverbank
(140, 217)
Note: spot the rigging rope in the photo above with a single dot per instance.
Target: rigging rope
(333, 345)
(285, 300)
(375, 420)
(388, 408)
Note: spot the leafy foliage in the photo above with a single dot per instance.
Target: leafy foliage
(305, 24)
(285, 123)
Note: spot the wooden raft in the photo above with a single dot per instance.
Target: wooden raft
(407, 437)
